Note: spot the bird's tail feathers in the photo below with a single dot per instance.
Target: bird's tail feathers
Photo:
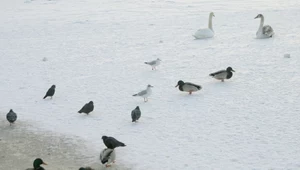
(44, 96)
(211, 74)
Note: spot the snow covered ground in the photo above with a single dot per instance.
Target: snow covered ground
(96, 50)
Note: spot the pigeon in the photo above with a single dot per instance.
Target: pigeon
(50, 92)
(145, 93)
(11, 116)
(111, 142)
(87, 108)
(154, 63)
(37, 164)
(86, 168)
(223, 74)
(107, 156)
(136, 114)
(188, 87)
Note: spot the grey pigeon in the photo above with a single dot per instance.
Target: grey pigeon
(11, 116)
(87, 108)
(86, 168)
(50, 92)
(111, 142)
(136, 114)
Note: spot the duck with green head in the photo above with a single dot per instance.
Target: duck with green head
(37, 164)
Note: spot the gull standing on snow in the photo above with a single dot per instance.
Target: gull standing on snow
(87, 108)
(188, 87)
(107, 156)
(111, 142)
(11, 116)
(154, 63)
(223, 74)
(206, 32)
(263, 31)
(136, 114)
(50, 92)
(145, 93)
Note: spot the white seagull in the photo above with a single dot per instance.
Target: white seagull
(154, 63)
(145, 93)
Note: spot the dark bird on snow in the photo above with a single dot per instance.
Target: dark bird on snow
(87, 108)
(136, 114)
(86, 168)
(223, 74)
(188, 87)
(37, 164)
(50, 92)
(111, 142)
(11, 116)
(107, 156)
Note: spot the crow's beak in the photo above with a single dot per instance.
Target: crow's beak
(176, 85)
(233, 70)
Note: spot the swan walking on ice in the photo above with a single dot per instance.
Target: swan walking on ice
(263, 31)
(206, 32)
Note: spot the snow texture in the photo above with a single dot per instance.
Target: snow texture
(96, 49)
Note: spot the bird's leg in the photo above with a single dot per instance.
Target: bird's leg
(222, 80)
(190, 92)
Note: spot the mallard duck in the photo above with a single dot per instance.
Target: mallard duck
(154, 63)
(188, 87)
(107, 156)
(206, 32)
(86, 168)
(264, 31)
(11, 116)
(145, 93)
(87, 108)
(223, 74)
(37, 164)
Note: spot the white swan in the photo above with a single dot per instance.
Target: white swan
(206, 32)
(263, 31)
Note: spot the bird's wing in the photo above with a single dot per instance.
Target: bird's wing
(114, 142)
(218, 72)
(192, 84)
(268, 30)
(151, 62)
(141, 93)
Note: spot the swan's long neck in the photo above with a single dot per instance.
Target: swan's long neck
(210, 22)
(262, 20)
